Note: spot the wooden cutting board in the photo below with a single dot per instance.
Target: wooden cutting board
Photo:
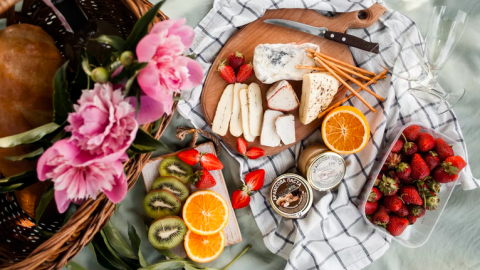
(259, 32)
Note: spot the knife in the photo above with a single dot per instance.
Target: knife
(330, 35)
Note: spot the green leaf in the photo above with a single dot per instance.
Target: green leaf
(61, 97)
(11, 188)
(106, 256)
(74, 266)
(142, 260)
(134, 238)
(18, 181)
(145, 143)
(192, 56)
(17, 177)
(44, 201)
(166, 265)
(169, 254)
(141, 27)
(129, 83)
(115, 41)
(137, 99)
(117, 242)
(117, 208)
(30, 155)
(30, 136)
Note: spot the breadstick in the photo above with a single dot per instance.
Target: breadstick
(341, 62)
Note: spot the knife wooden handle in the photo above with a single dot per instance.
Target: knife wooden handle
(352, 41)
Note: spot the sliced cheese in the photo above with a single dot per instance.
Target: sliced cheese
(285, 128)
(244, 110)
(224, 112)
(255, 109)
(282, 97)
(269, 135)
(236, 119)
(318, 90)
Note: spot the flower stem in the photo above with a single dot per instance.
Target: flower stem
(238, 257)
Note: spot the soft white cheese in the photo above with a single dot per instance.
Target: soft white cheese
(318, 90)
(285, 127)
(244, 110)
(255, 109)
(224, 112)
(282, 97)
(236, 119)
(269, 135)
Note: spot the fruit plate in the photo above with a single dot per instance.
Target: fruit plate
(259, 32)
(232, 231)
(417, 234)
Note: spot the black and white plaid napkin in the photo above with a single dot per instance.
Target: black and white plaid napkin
(333, 235)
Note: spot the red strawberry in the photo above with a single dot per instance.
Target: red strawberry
(419, 167)
(433, 185)
(254, 180)
(456, 161)
(425, 142)
(203, 180)
(416, 210)
(407, 181)
(403, 171)
(393, 203)
(445, 173)
(375, 195)
(397, 225)
(370, 207)
(410, 195)
(240, 199)
(255, 152)
(381, 216)
(191, 157)
(391, 162)
(422, 186)
(210, 162)
(432, 160)
(397, 147)
(409, 148)
(242, 146)
(236, 59)
(377, 181)
(226, 72)
(388, 186)
(244, 72)
(403, 211)
(394, 176)
(431, 201)
(411, 133)
(443, 149)
(411, 219)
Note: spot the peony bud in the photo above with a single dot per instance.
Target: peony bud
(127, 58)
(100, 75)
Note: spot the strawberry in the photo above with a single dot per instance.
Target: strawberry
(431, 201)
(391, 162)
(407, 181)
(375, 195)
(443, 149)
(411, 133)
(381, 216)
(236, 59)
(394, 176)
(402, 212)
(433, 185)
(409, 148)
(411, 219)
(388, 186)
(393, 203)
(377, 181)
(370, 207)
(410, 195)
(397, 225)
(226, 72)
(425, 142)
(240, 199)
(416, 210)
(456, 161)
(210, 162)
(254, 180)
(242, 146)
(422, 186)
(419, 167)
(445, 173)
(191, 157)
(255, 152)
(432, 160)
(403, 171)
(203, 180)
(397, 147)
(244, 72)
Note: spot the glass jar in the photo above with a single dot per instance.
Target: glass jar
(290, 195)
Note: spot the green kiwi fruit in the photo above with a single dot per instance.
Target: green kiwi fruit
(166, 232)
(161, 203)
(172, 184)
(173, 166)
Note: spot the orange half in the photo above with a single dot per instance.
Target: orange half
(204, 248)
(205, 212)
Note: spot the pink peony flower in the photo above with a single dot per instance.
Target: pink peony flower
(75, 183)
(167, 71)
(103, 125)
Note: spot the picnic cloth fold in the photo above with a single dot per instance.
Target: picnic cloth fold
(333, 235)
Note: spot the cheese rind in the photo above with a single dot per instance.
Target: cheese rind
(255, 109)
(275, 62)
(318, 90)
(269, 135)
(285, 128)
(236, 128)
(224, 112)
(244, 111)
(282, 97)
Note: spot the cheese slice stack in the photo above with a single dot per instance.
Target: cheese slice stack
(318, 90)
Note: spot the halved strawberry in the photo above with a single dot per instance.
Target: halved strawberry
(240, 199)
(244, 72)
(210, 162)
(254, 180)
(255, 152)
(242, 146)
(226, 72)
(191, 156)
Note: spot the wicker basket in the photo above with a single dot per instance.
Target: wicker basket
(25, 251)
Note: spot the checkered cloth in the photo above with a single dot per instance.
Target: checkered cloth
(333, 235)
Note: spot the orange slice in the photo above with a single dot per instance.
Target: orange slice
(205, 212)
(204, 248)
(345, 130)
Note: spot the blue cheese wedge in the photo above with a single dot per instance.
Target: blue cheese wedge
(276, 62)
(318, 90)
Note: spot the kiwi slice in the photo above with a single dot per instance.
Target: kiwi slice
(173, 166)
(173, 185)
(161, 203)
(167, 232)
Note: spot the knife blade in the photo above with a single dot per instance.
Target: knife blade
(330, 35)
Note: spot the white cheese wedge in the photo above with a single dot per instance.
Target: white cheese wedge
(236, 119)
(282, 97)
(244, 110)
(318, 90)
(224, 112)
(285, 128)
(255, 109)
(275, 62)
(269, 135)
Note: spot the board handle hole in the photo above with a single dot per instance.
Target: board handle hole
(362, 15)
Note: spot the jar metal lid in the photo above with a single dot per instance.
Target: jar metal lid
(326, 171)
(290, 195)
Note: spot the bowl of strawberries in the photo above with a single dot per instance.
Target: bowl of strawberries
(411, 185)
